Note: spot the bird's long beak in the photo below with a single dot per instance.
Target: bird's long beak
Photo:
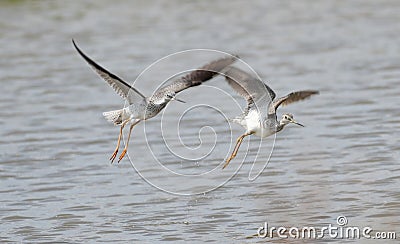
(294, 122)
(178, 100)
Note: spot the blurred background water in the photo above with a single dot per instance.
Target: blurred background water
(58, 185)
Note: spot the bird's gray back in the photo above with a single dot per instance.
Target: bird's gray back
(145, 111)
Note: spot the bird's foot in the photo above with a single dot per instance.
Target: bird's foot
(112, 158)
(227, 162)
(122, 155)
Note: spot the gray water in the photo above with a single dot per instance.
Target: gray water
(58, 185)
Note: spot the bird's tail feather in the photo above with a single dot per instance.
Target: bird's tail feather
(237, 120)
(114, 116)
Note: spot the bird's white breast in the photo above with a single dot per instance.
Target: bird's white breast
(253, 125)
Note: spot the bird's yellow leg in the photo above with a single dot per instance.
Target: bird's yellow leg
(236, 149)
(114, 155)
(127, 142)
(233, 155)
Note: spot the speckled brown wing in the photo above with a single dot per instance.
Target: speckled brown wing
(198, 76)
(291, 98)
(122, 88)
(257, 94)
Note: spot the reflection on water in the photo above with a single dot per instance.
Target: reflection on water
(57, 184)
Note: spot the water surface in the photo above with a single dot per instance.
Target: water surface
(58, 185)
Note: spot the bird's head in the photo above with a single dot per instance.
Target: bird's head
(287, 119)
(170, 96)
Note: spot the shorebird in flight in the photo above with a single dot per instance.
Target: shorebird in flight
(259, 117)
(141, 107)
